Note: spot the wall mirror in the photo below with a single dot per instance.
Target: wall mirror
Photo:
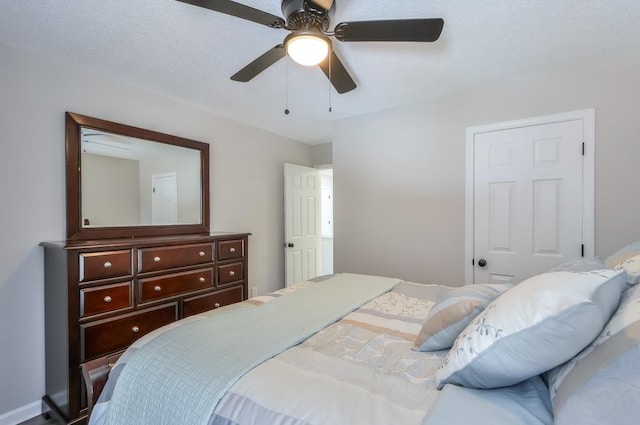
(125, 181)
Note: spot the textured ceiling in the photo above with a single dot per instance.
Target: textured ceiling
(189, 53)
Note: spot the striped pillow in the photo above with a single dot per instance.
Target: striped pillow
(627, 258)
(453, 312)
(602, 383)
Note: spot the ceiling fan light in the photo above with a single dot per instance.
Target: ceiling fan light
(307, 49)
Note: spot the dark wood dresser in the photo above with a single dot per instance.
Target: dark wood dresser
(101, 296)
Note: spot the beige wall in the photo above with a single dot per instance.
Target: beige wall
(399, 175)
(108, 195)
(322, 154)
(246, 191)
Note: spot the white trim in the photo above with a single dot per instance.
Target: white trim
(324, 166)
(468, 209)
(588, 177)
(21, 414)
(589, 182)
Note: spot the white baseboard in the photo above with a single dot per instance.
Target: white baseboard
(21, 414)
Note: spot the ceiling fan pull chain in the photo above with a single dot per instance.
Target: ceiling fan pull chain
(286, 87)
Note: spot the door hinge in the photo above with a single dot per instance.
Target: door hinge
(582, 148)
(582, 250)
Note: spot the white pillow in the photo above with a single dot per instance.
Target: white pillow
(533, 327)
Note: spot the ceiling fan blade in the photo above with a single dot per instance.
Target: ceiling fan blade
(338, 75)
(325, 4)
(257, 66)
(393, 30)
(239, 11)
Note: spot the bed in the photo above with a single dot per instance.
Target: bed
(562, 347)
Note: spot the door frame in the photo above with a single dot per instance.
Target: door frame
(588, 177)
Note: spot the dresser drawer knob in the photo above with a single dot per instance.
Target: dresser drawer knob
(232, 250)
(156, 259)
(201, 253)
(135, 329)
(107, 265)
(157, 288)
(107, 299)
(202, 279)
(216, 305)
(232, 273)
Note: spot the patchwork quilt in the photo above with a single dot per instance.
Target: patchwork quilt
(360, 369)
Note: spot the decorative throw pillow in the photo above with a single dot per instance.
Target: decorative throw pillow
(535, 326)
(579, 265)
(602, 383)
(453, 312)
(627, 258)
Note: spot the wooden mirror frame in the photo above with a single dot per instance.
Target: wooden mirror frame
(75, 230)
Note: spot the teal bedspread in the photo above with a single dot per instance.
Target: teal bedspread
(179, 377)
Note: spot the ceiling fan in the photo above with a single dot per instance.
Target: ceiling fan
(308, 42)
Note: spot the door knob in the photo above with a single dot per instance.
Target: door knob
(482, 262)
(289, 245)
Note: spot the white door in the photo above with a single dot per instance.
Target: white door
(302, 223)
(529, 200)
(165, 198)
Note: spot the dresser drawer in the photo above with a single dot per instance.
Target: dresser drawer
(105, 298)
(154, 259)
(103, 265)
(230, 273)
(110, 335)
(228, 250)
(210, 301)
(155, 288)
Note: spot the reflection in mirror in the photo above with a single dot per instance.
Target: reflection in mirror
(125, 181)
(128, 181)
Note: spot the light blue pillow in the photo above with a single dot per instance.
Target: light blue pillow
(531, 328)
(526, 403)
(602, 383)
(453, 312)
